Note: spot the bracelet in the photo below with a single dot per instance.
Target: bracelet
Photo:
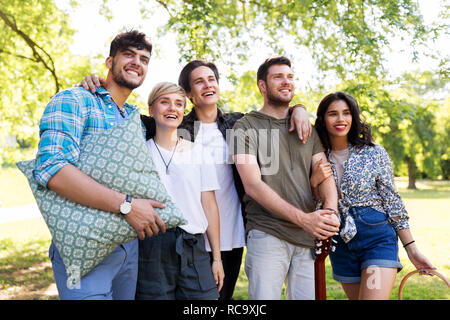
(404, 246)
(291, 108)
(217, 260)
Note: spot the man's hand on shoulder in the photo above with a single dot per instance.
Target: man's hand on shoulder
(300, 122)
(91, 82)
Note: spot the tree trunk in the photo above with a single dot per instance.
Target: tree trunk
(411, 174)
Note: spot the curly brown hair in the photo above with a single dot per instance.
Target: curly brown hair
(128, 39)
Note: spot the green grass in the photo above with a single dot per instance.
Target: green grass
(428, 208)
(25, 270)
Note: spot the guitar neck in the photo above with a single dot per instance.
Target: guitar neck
(319, 280)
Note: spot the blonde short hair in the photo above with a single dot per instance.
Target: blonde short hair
(163, 88)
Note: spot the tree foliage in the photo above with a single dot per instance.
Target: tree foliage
(245, 96)
(35, 63)
(347, 36)
(403, 121)
(443, 136)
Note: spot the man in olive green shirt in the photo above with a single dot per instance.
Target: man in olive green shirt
(275, 166)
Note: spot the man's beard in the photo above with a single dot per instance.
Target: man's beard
(121, 81)
(275, 100)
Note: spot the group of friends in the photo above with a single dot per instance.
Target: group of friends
(266, 180)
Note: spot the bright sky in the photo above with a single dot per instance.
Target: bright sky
(94, 34)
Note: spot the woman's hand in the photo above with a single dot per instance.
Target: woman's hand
(218, 273)
(321, 171)
(419, 260)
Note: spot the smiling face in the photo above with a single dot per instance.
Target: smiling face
(168, 110)
(338, 119)
(129, 67)
(204, 87)
(278, 89)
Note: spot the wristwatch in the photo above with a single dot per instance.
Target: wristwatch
(125, 207)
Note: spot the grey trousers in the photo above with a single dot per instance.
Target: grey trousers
(270, 262)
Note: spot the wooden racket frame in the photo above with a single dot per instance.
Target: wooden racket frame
(405, 278)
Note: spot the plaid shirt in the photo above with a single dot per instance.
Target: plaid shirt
(69, 116)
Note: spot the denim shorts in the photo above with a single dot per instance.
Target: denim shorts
(175, 266)
(374, 245)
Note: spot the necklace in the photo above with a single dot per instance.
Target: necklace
(162, 158)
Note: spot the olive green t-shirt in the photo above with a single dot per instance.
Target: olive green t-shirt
(285, 164)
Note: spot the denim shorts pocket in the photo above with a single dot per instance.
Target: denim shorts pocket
(372, 217)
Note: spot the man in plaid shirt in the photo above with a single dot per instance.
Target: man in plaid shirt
(71, 115)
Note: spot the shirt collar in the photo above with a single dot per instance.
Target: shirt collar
(107, 98)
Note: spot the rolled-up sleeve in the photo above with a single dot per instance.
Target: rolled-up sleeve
(392, 202)
(60, 130)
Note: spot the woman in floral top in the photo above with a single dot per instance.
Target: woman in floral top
(365, 259)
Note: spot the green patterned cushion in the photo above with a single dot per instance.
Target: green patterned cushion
(119, 159)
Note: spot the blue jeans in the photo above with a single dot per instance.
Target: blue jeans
(374, 245)
(113, 279)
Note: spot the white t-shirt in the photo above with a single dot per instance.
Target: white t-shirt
(186, 179)
(232, 233)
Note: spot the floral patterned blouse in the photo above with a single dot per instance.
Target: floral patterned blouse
(368, 181)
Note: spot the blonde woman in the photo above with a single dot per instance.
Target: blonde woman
(175, 264)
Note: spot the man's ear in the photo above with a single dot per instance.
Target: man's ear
(189, 96)
(108, 62)
(262, 86)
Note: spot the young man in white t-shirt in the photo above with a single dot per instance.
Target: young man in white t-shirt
(206, 125)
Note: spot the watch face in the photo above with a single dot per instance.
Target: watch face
(125, 208)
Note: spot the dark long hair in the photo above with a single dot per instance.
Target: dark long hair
(359, 134)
